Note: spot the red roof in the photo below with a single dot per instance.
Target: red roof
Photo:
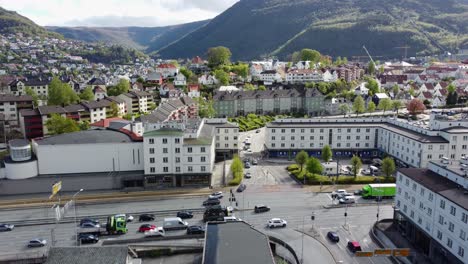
(427, 95)
(166, 66)
(106, 122)
(197, 60)
(193, 87)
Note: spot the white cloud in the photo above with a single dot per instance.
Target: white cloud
(116, 12)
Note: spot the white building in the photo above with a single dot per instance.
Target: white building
(167, 70)
(180, 80)
(432, 209)
(270, 76)
(303, 76)
(207, 79)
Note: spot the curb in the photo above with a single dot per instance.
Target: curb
(354, 205)
(320, 241)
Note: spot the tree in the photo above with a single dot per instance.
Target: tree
(356, 165)
(344, 109)
(122, 87)
(262, 88)
(395, 90)
(388, 166)
(34, 96)
(415, 107)
(385, 104)
(241, 69)
(222, 76)
(310, 55)
(314, 166)
(249, 87)
(84, 125)
(327, 153)
(358, 105)
(301, 158)
(397, 104)
(371, 68)
(206, 107)
(295, 57)
(237, 169)
(87, 94)
(373, 86)
(370, 107)
(140, 80)
(186, 72)
(218, 56)
(58, 124)
(452, 97)
(61, 93)
(114, 110)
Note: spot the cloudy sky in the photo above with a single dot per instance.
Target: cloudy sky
(115, 13)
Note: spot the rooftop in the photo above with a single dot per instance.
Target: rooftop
(251, 246)
(164, 132)
(86, 255)
(86, 137)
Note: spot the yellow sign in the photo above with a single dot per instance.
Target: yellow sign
(383, 252)
(401, 252)
(55, 189)
(364, 254)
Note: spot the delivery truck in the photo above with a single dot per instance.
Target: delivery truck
(384, 190)
(115, 225)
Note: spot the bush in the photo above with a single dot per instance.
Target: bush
(293, 167)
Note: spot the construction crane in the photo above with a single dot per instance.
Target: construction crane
(406, 50)
(368, 54)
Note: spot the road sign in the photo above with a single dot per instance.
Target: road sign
(55, 189)
(383, 252)
(401, 252)
(364, 254)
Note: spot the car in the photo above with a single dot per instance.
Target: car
(257, 131)
(89, 220)
(37, 242)
(354, 246)
(357, 192)
(217, 195)
(146, 217)
(211, 202)
(241, 188)
(333, 236)
(192, 230)
(249, 150)
(276, 222)
(254, 162)
(248, 175)
(348, 199)
(231, 219)
(366, 172)
(88, 238)
(6, 227)
(157, 232)
(261, 208)
(246, 160)
(89, 225)
(247, 165)
(146, 227)
(185, 214)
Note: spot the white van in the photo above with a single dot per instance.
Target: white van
(348, 199)
(374, 170)
(231, 219)
(174, 223)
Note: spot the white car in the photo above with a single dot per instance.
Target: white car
(157, 232)
(276, 222)
(216, 195)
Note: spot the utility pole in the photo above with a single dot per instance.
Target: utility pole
(74, 209)
(302, 245)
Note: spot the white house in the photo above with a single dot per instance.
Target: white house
(270, 76)
(207, 79)
(167, 70)
(180, 80)
(303, 76)
(361, 89)
(193, 90)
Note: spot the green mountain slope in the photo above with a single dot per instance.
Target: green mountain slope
(12, 22)
(253, 28)
(143, 38)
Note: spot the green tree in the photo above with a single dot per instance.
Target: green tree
(237, 169)
(452, 97)
(84, 125)
(310, 55)
(388, 166)
(371, 68)
(61, 93)
(249, 87)
(356, 165)
(114, 112)
(34, 96)
(385, 104)
(301, 158)
(372, 85)
(370, 107)
(314, 166)
(122, 87)
(344, 109)
(152, 106)
(358, 105)
(186, 72)
(241, 69)
(206, 107)
(397, 104)
(87, 94)
(58, 124)
(395, 90)
(327, 153)
(222, 76)
(218, 56)
(262, 88)
(140, 80)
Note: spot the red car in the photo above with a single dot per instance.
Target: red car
(146, 227)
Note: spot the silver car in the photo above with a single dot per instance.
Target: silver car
(37, 242)
(6, 227)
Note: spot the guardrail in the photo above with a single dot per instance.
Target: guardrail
(147, 239)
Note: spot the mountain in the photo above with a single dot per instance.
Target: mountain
(256, 28)
(147, 39)
(12, 22)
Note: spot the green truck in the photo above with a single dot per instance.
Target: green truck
(384, 190)
(116, 225)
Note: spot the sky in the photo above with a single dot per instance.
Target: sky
(116, 13)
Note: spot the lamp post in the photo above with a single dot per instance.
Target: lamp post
(74, 209)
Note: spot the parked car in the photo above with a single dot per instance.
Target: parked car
(217, 195)
(333, 236)
(37, 242)
(261, 208)
(185, 214)
(89, 225)
(89, 220)
(348, 200)
(354, 246)
(146, 217)
(241, 188)
(6, 227)
(366, 161)
(257, 131)
(192, 230)
(146, 227)
(247, 165)
(248, 175)
(211, 202)
(157, 232)
(357, 192)
(276, 222)
(366, 172)
(254, 162)
(88, 238)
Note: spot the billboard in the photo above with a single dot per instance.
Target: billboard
(56, 187)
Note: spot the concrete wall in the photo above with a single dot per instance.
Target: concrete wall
(23, 170)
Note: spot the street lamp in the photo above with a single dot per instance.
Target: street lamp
(74, 209)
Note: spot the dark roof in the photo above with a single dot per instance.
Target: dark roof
(87, 255)
(96, 104)
(74, 108)
(251, 245)
(29, 112)
(438, 184)
(51, 109)
(115, 99)
(14, 98)
(228, 95)
(96, 81)
(86, 137)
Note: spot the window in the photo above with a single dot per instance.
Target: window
(152, 169)
(349, 130)
(429, 211)
(151, 160)
(439, 235)
(414, 186)
(419, 220)
(405, 208)
(441, 220)
(151, 140)
(202, 159)
(321, 130)
(202, 149)
(312, 130)
(461, 251)
(422, 191)
(164, 140)
(165, 160)
(429, 147)
(451, 227)
(177, 150)
(283, 130)
(165, 150)
(189, 149)
(421, 205)
(203, 168)
(177, 169)
(412, 214)
(464, 218)
(442, 147)
(453, 210)
(407, 182)
(442, 204)
(413, 200)
(189, 159)
(293, 138)
(462, 234)
(177, 140)
(190, 168)
(151, 150)
(358, 137)
(449, 242)
(177, 160)
(165, 169)
(273, 138)
(431, 196)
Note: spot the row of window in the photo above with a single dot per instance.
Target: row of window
(461, 250)
(273, 138)
(226, 138)
(177, 159)
(312, 145)
(177, 169)
(176, 150)
(321, 130)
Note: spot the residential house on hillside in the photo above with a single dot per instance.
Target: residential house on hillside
(99, 93)
(361, 90)
(40, 85)
(165, 88)
(302, 65)
(172, 110)
(193, 90)
(120, 104)
(376, 98)
(154, 78)
(97, 82)
(329, 75)
(270, 76)
(180, 80)
(11, 105)
(207, 79)
(303, 76)
(388, 81)
(136, 101)
(167, 70)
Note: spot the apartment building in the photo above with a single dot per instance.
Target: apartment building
(40, 85)
(303, 76)
(136, 101)
(11, 105)
(172, 109)
(431, 209)
(227, 138)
